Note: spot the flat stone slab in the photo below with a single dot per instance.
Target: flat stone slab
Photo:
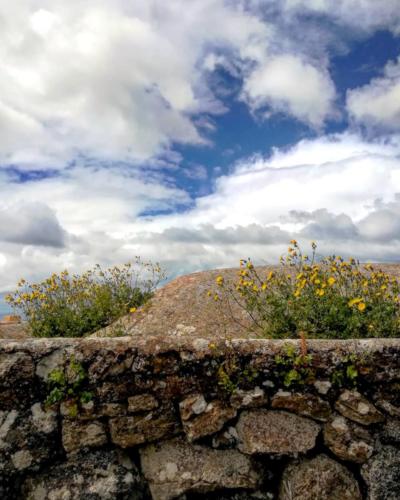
(176, 467)
(275, 432)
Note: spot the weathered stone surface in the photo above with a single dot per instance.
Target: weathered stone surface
(46, 365)
(255, 398)
(348, 440)
(142, 402)
(322, 386)
(390, 432)
(305, 404)
(176, 467)
(226, 438)
(77, 434)
(356, 407)
(27, 439)
(192, 405)
(320, 478)
(138, 429)
(100, 475)
(212, 420)
(15, 367)
(382, 474)
(275, 432)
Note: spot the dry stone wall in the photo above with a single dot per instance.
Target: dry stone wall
(182, 419)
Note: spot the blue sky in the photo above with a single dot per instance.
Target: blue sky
(197, 132)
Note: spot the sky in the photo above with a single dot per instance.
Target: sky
(196, 132)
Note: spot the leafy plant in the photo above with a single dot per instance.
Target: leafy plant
(315, 297)
(68, 385)
(72, 306)
(293, 368)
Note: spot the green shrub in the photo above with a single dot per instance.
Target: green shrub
(328, 298)
(73, 306)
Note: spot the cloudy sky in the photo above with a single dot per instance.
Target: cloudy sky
(196, 132)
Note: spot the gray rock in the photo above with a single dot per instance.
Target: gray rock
(348, 440)
(390, 432)
(275, 432)
(77, 434)
(100, 475)
(138, 429)
(14, 367)
(382, 474)
(255, 398)
(320, 478)
(26, 441)
(210, 421)
(354, 406)
(192, 405)
(55, 360)
(305, 404)
(176, 467)
(322, 386)
(142, 402)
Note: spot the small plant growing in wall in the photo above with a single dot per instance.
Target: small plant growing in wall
(294, 368)
(68, 385)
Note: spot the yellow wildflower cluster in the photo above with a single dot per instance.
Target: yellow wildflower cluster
(73, 305)
(324, 297)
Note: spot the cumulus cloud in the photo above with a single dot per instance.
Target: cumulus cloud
(378, 103)
(285, 83)
(31, 224)
(348, 202)
(365, 15)
(107, 79)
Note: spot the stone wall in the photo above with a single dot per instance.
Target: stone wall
(189, 419)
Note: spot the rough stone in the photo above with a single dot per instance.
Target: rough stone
(225, 438)
(255, 398)
(24, 441)
(78, 434)
(348, 440)
(322, 386)
(46, 365)
(275, 432)
(138, 429)
(390, 432)
(306, 405)
(192, 405)
(100, 475)
(15, 367)
(320, 478)
(211, 421)
(382, 474)
(354, 406)
(142, 402)
(176, 467)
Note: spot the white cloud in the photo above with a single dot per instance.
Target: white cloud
(378, 103)
(360, 14)
(348, 202)
(285, 83)
(107, 79)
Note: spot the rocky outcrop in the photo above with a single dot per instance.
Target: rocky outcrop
(161, 419)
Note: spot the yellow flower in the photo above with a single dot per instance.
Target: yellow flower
(208, 293)
(132, 309)
(216, 297)
(320, 292)
(331, 281)
(297, 293)
(353, 302)
(264, 286)
(361, 306)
